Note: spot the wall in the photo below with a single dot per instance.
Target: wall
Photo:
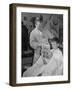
(51, 23)
(4, 45)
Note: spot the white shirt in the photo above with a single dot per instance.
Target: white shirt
(35, 38)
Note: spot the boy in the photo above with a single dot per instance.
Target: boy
(55, 65)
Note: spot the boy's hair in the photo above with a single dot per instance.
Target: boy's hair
(55, 39)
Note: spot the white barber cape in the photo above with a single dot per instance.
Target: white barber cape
(35, 69)
(53, 67)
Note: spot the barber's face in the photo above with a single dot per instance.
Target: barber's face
(39, 25)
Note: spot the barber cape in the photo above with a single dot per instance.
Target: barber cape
(54, 66)
(35, 70)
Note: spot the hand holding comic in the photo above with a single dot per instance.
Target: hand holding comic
(46, 53)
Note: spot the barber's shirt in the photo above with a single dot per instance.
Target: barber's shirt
(35, 38)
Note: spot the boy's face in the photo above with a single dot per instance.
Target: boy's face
(54, 44)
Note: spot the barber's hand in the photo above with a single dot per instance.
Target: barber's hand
(50, 54)
(44, 61)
